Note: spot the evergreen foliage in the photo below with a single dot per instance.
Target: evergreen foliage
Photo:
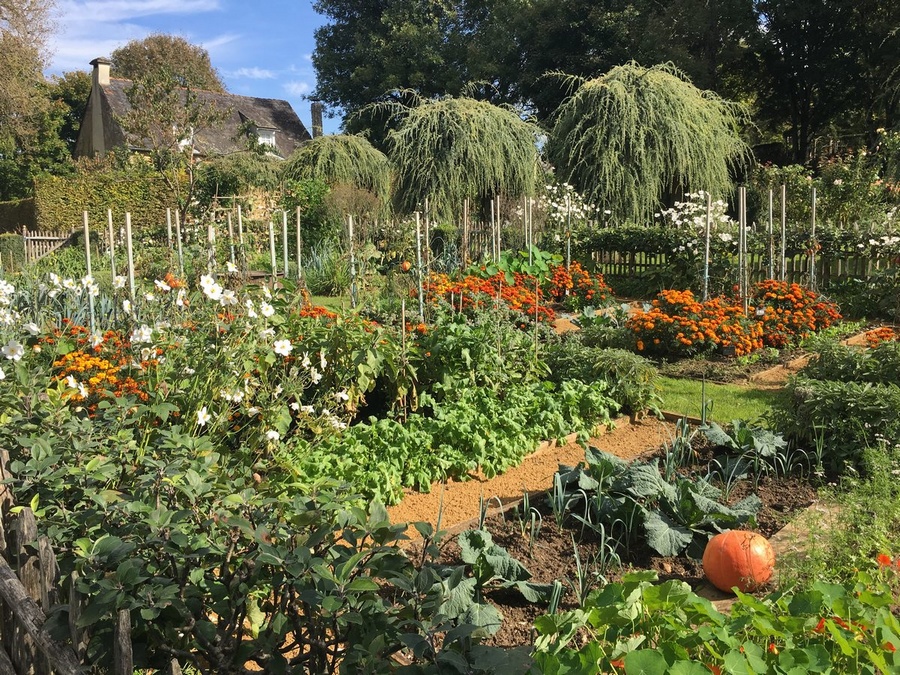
(629, 137)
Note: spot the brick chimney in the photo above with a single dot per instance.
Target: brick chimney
(99, 78)
(316, 109)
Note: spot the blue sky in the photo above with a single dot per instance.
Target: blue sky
(260, 48)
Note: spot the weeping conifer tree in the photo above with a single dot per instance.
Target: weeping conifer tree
(629, 137)
(450, 149)
(342, 159)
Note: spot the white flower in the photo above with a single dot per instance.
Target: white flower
(306, 363)
(267, 294)
(87, 281)
(283, 347)
(213, 291)
(146, 353)
(253, 411)
(308, 409)
(54, 279)
(251, 312)
(69, 284)
(229, 297)
(342, 395)
(272, 435)
(13, 350)
(82, 390)
(278, 390)
(337, 424)
(266, 309)
(2, 374)
(149, 297)
(231, 267)
(322, 360)
(267, 332)
(94, 290)
(189, 371)
(71, 382)
(179, 299)
(32, 328)
(126, 306)
(838, 181)
(162, 286)
(142, 334)
(206, 280)
(203, 416)
(119, 281)
(295, 406)
(315, 376)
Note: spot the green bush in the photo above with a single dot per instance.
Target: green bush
(631, 378)
(12, 252)
(840, 419)
(836, 361)
(877, 297)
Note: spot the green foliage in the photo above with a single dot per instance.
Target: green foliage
(843, 417)
(648, 627)
(626, 138)
(60, 202)
(448, 150)
(631, 378)
(726, 401)
(12, 252)
(170, 54)
(674, 514)
(836, 361)
(342, 158)
(320, 224)
(236, 175)
(876, 297)
(17, 214)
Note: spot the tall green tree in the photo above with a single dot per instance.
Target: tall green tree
(634, 135)
(451, 149)
(189, 64)
(70, 93)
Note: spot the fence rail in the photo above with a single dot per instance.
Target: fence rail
(39, 244)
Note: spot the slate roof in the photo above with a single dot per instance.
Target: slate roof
(265, 113)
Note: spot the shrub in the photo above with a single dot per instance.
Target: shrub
(12, 252)
(878, 365)
(791, 312)
(678, 325)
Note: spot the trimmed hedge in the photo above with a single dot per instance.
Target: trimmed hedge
(60, 201)
(16, 214)
(12, 251)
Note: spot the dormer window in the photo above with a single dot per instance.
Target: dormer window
(266, 136)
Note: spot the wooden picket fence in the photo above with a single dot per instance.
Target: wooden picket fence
(39, 244)
(29, 589)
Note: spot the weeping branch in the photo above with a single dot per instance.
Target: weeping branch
(451, 149)
(342, 159)
(627, 137)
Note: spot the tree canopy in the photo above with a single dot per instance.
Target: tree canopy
(628, 137)
(188, 64)
(450, 149)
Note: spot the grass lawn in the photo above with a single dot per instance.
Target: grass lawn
(728, 401)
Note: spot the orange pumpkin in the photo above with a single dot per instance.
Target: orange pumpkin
(738, 558)
(405, 265)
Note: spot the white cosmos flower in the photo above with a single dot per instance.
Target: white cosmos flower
(149, 297)
(283, 347)
(272, 435)
(231, 267)
(213, 292)
(142, 334)
(229, 298)
(119, 281)
(162, 286)
(203, 416)
(13, 350)
(126, 306)
(32, 328)
(266, 309)
(179, 299)
(267, 332)
(267, 294)
(82, 390)
(71, 382)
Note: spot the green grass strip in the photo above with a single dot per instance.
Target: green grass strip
(729, 402)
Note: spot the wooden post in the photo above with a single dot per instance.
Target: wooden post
(272, 259)
(352, 263)
(812, 245)
(299, 249)
(706, 247)
(568, 233)
(211, 242)
(419, 268)
(178, 242)
(230, 238)
(87, 260)
(465, 234)
(284, 239)
(129, 248)
(771, 273)
(169, 228)
(493, 234)
(783, 230)
(111, 233)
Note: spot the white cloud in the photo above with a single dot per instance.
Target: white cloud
(253, 73)
(297, 88)
(113, 11)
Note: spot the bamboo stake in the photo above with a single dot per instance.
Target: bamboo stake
(87, 260)
(493, 234)
(783, 230)
(465, 235)
(568, 234)
(284, 239)
(706, 247)
(211, 245)
(240, 222)
(744, 272)
(353, 263)
(272, 258)
(178, 237)
(419, 268)
(812, 245)
(499, 246)
(130, 249)
(169, 228)
(231, 238)
(771, 274)
(112, 243)
(299, 249)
